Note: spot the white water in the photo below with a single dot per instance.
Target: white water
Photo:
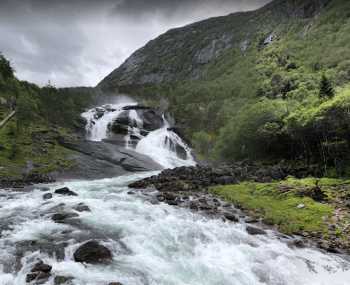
(97, 129)
(153, 244)
(159, 144)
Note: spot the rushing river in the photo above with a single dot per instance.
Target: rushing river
(152, 243)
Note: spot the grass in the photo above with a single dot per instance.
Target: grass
(278, 207)
(37, 145)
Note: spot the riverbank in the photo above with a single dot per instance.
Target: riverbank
(315, 210)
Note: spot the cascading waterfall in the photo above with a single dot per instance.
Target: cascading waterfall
(152, 244)
(161, 145)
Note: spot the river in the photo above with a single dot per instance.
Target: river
(152, 243)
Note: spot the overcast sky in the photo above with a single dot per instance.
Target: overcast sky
(79, 42)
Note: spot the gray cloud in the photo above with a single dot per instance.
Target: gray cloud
(74, 43)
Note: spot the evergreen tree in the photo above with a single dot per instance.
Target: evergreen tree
(326, 88)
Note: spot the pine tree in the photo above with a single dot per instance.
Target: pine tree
(326, 88)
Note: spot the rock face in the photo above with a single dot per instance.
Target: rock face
(93, 252)
(150, 120)
(96, 160)
(184, 53)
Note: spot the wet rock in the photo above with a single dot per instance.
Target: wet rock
(173, 203)
(131, 193)
(250, 220)
(61, 217)
(40, 273)
(93, 252)
(255, 231)
(231, 217)
(41, 267)
(44, 189)
(60, 280)
(115, 283)
(47, 196)
(81, 207)
(296, 243)
(65, 191)
(225, 180)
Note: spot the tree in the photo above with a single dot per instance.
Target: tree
(326, 88)
(5, 68)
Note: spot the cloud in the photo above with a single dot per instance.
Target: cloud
(77, 43)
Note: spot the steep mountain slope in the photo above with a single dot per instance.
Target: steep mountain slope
(185, 52)
(247, 85)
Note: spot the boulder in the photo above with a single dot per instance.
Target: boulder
(93, 252)
(255, 231)
(231, 217)
(40, 273)
(151, 119)
(61, 217)
(65, 191)
(81, 207)
(60, 280)
(47, 196)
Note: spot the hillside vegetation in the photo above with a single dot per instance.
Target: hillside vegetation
(266, 85)
(29, 142)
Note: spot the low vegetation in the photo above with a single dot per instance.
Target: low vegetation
(29, 142)
(290, 205)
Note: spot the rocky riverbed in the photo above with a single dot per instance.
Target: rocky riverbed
(189, 187)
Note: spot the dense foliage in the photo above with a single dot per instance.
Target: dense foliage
(29, 141)
(285, 99)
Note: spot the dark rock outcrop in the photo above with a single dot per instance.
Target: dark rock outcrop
(65, 191)
(104, 159)
(62, 217)
(40, 273)
(93, 252)
(200, 177)
(63, 280)
(255, 231)
(47, 196)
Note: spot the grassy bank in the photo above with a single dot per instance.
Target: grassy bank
(32, 150)
(290, 207)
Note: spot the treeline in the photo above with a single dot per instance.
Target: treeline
(47, 105)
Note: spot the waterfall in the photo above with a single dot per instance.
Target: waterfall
(162, 144)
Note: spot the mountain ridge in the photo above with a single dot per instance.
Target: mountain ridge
(184, 52)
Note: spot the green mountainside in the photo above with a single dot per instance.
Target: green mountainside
(29, 141)
(269, 84)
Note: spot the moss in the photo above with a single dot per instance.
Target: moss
(278, 207)
(36, 144)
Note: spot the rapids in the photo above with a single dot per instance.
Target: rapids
(152, 243)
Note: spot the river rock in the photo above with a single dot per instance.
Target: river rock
(93, 252)
(40, 273)
(81, 207)
(255, 231)
(65, 191)
(231, 217)
(115, 283)
(60, 280)
(47, 196)
(61, 217)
